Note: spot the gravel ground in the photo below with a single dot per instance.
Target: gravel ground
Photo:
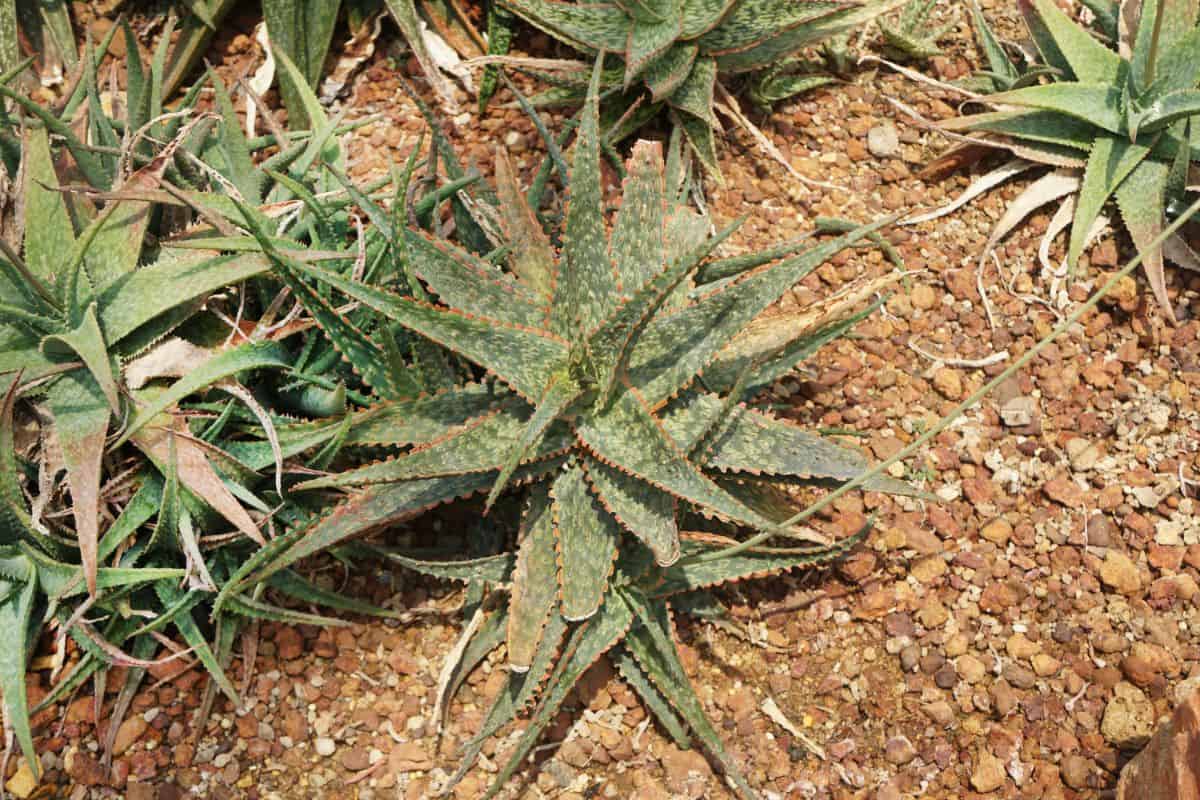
(1018, 638)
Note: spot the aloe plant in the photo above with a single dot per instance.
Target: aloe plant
(673, 52)
(596, 402)
(1111, 125)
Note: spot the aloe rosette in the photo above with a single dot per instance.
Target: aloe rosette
(614, 393)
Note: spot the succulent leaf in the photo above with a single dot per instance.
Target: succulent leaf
(587, 286)
(534, 582)
(645, 512)
(586, 537)
(524, 358)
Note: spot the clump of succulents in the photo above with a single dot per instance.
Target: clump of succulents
(613, 402)
(1110, 124)
(149, 368)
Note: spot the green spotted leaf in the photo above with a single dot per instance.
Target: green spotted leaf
(16, 613)
(1048, 127)
(627, 437)
(647, 513)
(479, 446)
(544, 434)
(695, 95)
(594, 26)
(750, 441)
(637, 246)
(586, 537)
(778, 46)
(49, 234)
(690, 573)
(421, 420)
(666, 73)
(701, 16)
(749, 22)
(610, 346)
(176, 278)
(633, 674)
(532, 259)
(496, 569)
(1066, 45)
(648, 40)
(534, 582)
(587, 286)
(379, 506)
(651, 640)
(516, 695)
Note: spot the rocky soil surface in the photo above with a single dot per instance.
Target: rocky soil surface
(1020, 637)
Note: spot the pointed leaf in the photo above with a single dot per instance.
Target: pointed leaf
(49, 234)
(665, 74)
(380, 506)
(676, 347)
(479, 446)
(645, 512)
(421, 420)
(174, 279)
(749, 22)
(532, 259)
(591, 26)
(1096, 103)
(496, 569)
(293, 585)
(648, 40)
(87, 342)
(220, 366)
(629, 438)
(168, 593)
(637, 247)
(689, 573)
(196, 472)
(1110, 162)
(16, 611)
(534, 582)
(522, 358)
(81, 423)
(586, 537)
(467, 283)
(635, 676)
(1064, 43)
(535, 440)
(750, 441)
(695, 95)
(586, 645)
(1141, 199)
(587, 286)
(652, 642)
